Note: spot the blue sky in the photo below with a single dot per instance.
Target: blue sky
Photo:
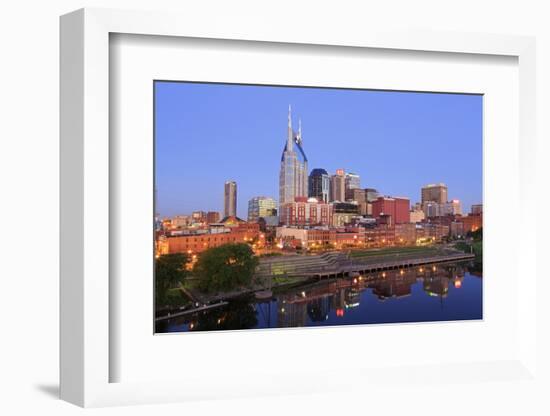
(396, 141)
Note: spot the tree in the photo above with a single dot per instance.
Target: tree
(225, 267)
(169, 272)
(477, 235)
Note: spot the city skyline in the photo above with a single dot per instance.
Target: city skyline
(444, 130)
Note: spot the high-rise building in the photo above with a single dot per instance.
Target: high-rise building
(434, 193)
(338, 186)
(230, 199)
(353, 181)
(398, 208)
(319, 185)
(261, 207)
(293, 174)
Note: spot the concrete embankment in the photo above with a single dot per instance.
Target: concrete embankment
(340, 264)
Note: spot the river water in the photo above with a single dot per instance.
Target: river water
(442, 292)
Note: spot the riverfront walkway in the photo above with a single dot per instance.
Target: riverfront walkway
(335, 264)
(191, 311)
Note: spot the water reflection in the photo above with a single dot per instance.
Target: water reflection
(435, 293)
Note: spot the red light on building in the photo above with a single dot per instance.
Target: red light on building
(339, 312)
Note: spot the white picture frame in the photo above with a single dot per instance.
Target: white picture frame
(86, 355)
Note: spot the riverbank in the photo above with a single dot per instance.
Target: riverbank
(286, 272)
(445, 291)
(474, 247)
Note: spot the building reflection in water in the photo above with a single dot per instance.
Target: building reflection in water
(316, 301)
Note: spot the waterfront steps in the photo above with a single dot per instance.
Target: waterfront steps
(334, 263)
(298, 264)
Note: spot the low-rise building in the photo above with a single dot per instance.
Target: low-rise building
(179, 221)
(199, 216)
(287, 234)
(380, 236)
(306, 212)
(417, 215)
(321, 237)
(344, 213)
(405, 234)
(197, 242)
(477, 209)
(431, 231)
(457, 229)
(472, 222)
(212, 217)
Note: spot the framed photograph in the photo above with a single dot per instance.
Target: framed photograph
(237, 208)
(284, 243)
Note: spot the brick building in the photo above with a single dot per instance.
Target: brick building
(306, 212)
(472, 222)
(195, 243)
(398, 208)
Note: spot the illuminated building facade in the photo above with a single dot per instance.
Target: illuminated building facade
(344, 213)
(195, 243)
(261, 207)
(305, 212)
(293, 179)
(472, 222)
(405, 233)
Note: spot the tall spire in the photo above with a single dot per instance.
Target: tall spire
(289, 116)
(289, 138)
(300, 130)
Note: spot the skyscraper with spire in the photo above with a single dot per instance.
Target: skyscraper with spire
(293, 174)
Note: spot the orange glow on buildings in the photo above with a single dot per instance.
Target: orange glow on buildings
(196, 243)
(472, 222)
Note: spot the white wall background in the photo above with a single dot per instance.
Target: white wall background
(29, 186)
